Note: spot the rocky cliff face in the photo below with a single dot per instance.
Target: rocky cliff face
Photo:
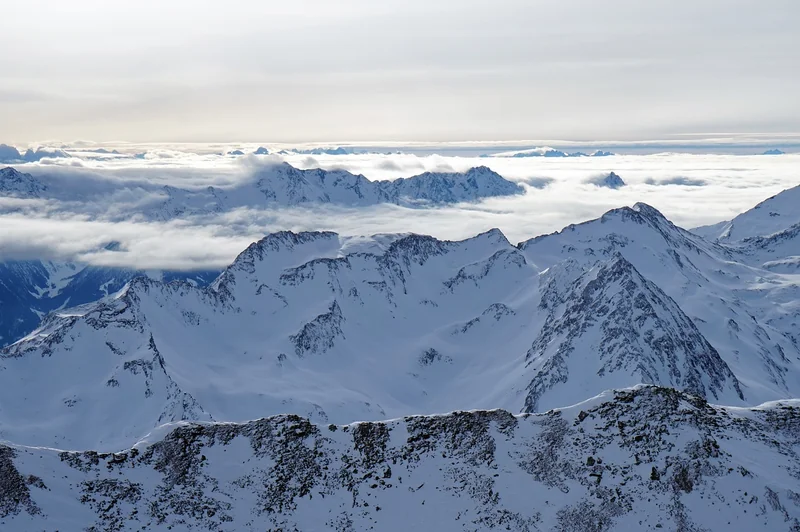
(613, 326)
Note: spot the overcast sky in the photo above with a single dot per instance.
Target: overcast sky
(432, 70)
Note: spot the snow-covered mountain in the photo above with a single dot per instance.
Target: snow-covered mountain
(767, 236)
(617, 323)
(19, 185)
(277, 184)
(638, 459)
(550, 152)
(30, 289)
(340, 331)
(610, 180)
(771, 216)
(283, 184)
(746, 313)
(10, 154)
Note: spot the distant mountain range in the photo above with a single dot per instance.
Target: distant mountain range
(550, 152)
(284, 185)
(10, 155)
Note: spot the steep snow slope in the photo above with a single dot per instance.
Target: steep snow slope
(640, 459)
(773, 215)
(297, 325)
(745, 313)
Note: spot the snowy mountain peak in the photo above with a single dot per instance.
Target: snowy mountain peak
(280, 183)
(281, 241)
(495, 236)
(449, 187)
(771, 216)
(20, 185)
(610, 180)
(613, 326)
(275, 252)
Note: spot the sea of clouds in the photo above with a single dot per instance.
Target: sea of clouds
(101, 195)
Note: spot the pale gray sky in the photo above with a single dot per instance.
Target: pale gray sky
(434, 70)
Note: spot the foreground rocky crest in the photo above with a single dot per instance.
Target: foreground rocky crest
(642, 458)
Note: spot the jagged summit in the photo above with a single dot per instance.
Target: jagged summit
(615, 324)
(438, 187)
(610, 180)
(641, 214)
(283, 184)
(17, 184)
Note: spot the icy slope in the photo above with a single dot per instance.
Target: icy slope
(639, 459)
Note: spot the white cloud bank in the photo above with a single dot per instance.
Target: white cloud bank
(691, 190)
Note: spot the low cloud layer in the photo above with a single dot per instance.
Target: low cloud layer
(101, 195)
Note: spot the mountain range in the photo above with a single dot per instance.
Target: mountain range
(285, 185)
(10, 154)
(550, 152)
(323, 337)
(281, 184)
